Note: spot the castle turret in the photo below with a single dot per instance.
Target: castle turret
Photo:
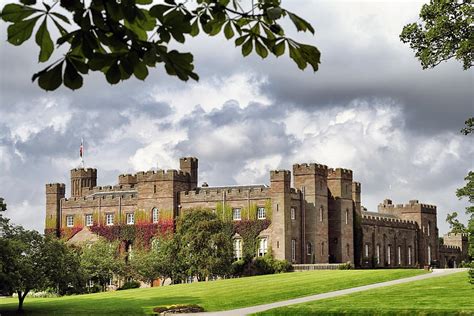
(341, 217)
(311, 179)
(82, 178)
(280, 181)
(190, 165)
(356, 197)
(54, 193)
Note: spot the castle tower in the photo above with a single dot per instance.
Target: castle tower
(54, 193)
(356, 197)
(82, 178)
(190, 165)
(341, 217)
(311, 179)
(280, 181)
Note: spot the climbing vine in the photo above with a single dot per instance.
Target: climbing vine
(249, 231)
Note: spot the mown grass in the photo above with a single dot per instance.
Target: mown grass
(447, 295)
(212, 296)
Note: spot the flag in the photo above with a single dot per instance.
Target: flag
(81, 149)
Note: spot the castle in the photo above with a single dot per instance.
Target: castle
(318, 220)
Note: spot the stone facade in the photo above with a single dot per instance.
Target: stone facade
(319, 220)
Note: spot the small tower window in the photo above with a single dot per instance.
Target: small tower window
(366, 250)
(261, 213)
(70, 221)
(293, 250)
(309, 249)
(293, 213)
(236, 214)
(347, 216)
(321, 209)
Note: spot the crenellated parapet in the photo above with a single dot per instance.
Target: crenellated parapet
(310, 169)
(108, 188)
(127, 179)
(388, 222)
(56, 188)
(340, 173)
(162, 175)
(216, 194)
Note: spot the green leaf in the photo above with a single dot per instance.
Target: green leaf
(140, 71)
(247, 47)
(144, 1)
(311, 54)
(240, 40)
(279, 49)
(28, 1)
(60, 16)
(72, 79)
(113, 74)
(301, 25)
(14, 12)
(228, 31)
(297, 58)
(274, 13)
(260, 49)
(51, 79)
(21, 31)
(43, 39)
(194, 28)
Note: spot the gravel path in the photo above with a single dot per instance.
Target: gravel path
(264, 307)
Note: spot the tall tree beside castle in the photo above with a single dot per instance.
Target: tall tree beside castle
(125, 38)
(3, 206)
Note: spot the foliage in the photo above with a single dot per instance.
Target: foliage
(249, 231)
(469, 128)
(467, 191)
(139, 234)
(204, 244)
(125, 38)
(446, 31)
(67, 233)
(147, 265)
(130, 285)
(178, 309)
(101, 260)
(3, 205)
(346, 266)
(454, 225)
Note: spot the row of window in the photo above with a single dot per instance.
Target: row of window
(110, 218)
(389, 254)
(237, 213)
(262, 247)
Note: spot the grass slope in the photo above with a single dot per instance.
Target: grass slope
(213, 296)
(448, 295)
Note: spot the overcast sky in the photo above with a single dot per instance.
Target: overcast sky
(370, 108)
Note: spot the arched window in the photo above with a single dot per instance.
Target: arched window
(399, 254)
(321, 209)
(309, 249)
(377, 254)
(347, 216)
(429, 254)
(429, 228)
(238, 248)
(409, 255)
(262, 247)
(389, 258)
(366, 250)
(155, 215)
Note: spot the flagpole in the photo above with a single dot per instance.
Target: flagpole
(82, 152)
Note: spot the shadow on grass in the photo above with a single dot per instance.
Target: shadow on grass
(74, 305)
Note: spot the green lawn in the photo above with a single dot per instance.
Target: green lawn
(447, 295)
(212, 296)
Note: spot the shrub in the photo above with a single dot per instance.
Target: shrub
(178, 309)
(346, 266)
(130, 285)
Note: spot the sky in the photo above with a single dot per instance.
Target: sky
(370, 108)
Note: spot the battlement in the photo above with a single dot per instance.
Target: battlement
(83, 172)
(125, 196)
(390, 222)
(280, 175)
(413, 206)
(162, 175)
(190, 160)
(310, 169)
(205, 194)
(340, 173)
(356, 187)
(55, 188)
(108, 188)
(125, 179)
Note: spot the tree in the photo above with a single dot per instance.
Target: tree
(20, 261)
(454, 225)
(146, 265)
(206, 246)
(446, 31)
(125, 38)
(3, 206)
(101, 260)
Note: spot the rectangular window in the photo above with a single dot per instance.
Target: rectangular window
(429, 255)
(238, 248)
(378, 254)
(321, 214)
(366, 250)
(293, 250)
(261, 213)
(109, 219)
(262, 247)
(292, 211)
(236, 216)
(89, 220)
(399, 250)
(389, 254)
(409, 255)
(429, 228)
(70, 221)
(347, 217)
(155, 215)
(130, 218)
(309, 249)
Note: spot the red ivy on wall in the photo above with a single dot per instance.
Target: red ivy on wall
(69, 232)
(139, 234)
